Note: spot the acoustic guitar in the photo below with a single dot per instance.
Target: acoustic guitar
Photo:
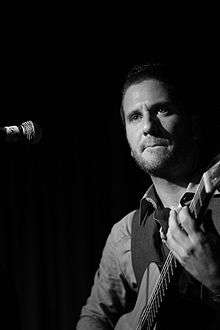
(155, 284)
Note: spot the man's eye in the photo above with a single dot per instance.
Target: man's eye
(134, 116)
(163, 110)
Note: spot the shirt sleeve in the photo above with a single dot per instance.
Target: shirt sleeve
(114, 291)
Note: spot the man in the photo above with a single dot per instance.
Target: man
(158, 111)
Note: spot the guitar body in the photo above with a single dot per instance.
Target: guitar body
(149, 281)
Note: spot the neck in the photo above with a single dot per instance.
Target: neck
(169, 192)
(172, 186)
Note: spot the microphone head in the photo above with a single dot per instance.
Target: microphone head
(28, 131)
(31, 131)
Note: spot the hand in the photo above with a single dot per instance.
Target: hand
(197, 250)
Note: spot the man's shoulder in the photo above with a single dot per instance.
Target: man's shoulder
(122, 228)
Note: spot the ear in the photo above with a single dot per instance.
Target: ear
(132, 154)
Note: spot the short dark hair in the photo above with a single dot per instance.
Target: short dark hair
(173, 76)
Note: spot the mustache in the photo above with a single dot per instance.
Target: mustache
(151, 141)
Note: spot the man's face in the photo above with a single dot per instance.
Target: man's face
(156, 131)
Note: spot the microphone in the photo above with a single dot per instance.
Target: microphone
(27, 131)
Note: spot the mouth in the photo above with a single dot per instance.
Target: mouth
(144, 147)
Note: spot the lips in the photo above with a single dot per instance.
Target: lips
(153, 143)
(152, 146)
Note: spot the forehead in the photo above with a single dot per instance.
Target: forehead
(147, 92)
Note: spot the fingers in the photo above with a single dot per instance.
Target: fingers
(192, 247)
(177, 239)
(182, 235)
(186, 221)
(175, 231)
(190, 226)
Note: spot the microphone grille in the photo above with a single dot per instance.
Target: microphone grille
(28, 129)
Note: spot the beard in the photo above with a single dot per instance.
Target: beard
(166, 163)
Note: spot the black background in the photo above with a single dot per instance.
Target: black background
(60, 197)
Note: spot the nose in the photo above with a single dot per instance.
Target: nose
(148, 122)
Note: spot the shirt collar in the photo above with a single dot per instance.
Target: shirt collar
(149, 203)
(151, 199)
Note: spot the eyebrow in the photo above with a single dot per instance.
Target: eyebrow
(155, 105)
(167, 103)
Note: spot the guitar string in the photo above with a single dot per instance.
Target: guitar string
(149, 306)
(166, 268)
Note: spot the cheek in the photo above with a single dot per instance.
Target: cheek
(132, 137)
(179, 132)
(174, 126)
(174, 129)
